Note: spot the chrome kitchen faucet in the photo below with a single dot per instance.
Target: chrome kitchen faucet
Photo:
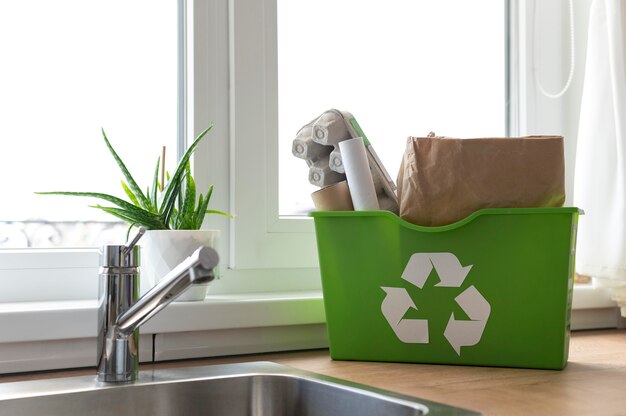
(121, 313)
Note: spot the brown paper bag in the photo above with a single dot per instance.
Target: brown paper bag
(443, 180)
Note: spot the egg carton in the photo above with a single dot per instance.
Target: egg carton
(318, 144)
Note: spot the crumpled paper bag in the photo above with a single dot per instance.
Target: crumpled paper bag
(442, 180)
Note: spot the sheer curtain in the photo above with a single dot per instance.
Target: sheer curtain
(600, 181)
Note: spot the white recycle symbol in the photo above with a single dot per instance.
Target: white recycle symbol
(459, 333)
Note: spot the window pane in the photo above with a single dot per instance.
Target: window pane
(69, 68)
(401, 67)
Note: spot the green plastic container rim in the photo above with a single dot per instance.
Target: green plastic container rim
(460, 223)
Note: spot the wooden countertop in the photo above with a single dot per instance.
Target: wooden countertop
(594, 381)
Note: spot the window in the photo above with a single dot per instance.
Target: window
(401, 68)
(262, 236)
(233, 65)
(69, 69)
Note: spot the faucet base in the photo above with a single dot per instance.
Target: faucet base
(117, 378)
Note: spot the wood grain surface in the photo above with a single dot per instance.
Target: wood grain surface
(594, 381)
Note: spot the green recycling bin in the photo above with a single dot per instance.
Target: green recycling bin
(493, 289)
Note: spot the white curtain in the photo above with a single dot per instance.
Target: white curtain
(600, 180)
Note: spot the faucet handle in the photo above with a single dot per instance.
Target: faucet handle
(130, 245)
(122, 256)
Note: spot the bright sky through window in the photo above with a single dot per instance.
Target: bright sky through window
(70, 68)
(401, 67)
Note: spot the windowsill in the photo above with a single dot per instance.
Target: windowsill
(61, 334)
(42, 321)
(56, 320)
(588, 297)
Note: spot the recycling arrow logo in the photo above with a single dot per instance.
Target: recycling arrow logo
(459, 333)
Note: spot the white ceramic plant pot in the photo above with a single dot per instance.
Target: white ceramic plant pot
(162, 250)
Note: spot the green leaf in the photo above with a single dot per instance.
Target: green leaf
(189, 203)
(128, 232)
(117, 201)
(179, 199)
(185, 223)
(145, 202)
(173, 187)
(130, 227)
(214, 211)
(155, 183)
(167, 213)
(131, 210)
(209, 193)
(173, 208)
(200, 213)
(197, 223)
(149, 222)
(130, 194)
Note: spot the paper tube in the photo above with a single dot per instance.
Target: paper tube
(335, 197)
(358, 174)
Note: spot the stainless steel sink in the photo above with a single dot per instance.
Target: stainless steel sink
(250, 389)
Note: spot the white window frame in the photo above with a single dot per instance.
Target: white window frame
(270, 280)
(262, 239)
(258, 305)
(260, 251)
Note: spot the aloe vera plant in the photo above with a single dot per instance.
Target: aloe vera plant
(173, 206)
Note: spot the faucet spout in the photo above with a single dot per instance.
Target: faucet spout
(120, 314)
(196, 269)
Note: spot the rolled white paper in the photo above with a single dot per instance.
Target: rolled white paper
(358, 174)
